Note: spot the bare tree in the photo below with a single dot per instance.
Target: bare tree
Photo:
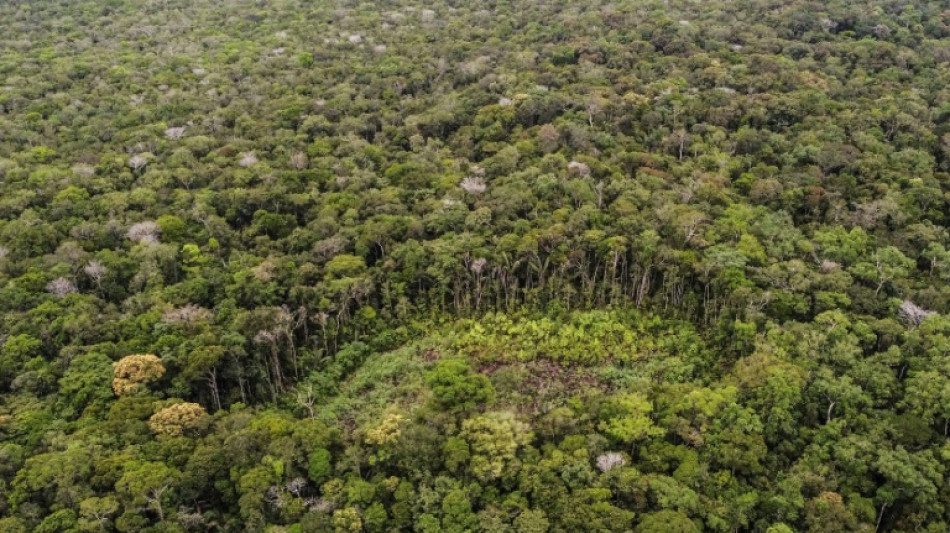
(175, 133)
(913, 313)
(306, 399)
(271, 338)
(137, 162)
(83, 170)
(473, 185)
(548, 138)
(248, 159)
(188, 314)
(61, 287)
(299, 160)
(478, 265)
(154, 500)
(678, 140)
(610, 460)
(146, 232)
(275, 497)
(576, 168)
(96, 271)
(191, 520)
(296, 486)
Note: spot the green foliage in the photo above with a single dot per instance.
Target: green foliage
(456, 388)
(319, 466)
(627, 419)
(172, 227)
(344, 266)
(666, 521)
(588, 338)
(17, 351)
(63, 521)
(444, 266)
(494, 439)
(86, 384)
(531, 521)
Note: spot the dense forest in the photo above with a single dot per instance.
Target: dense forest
(509, 266)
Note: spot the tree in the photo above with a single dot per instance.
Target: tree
(913, 313)
(63, 520)
(86, 384)
(53, 478)
(149, 485)
(17, 351)
(96, 272)
(887, 264)
(626, 418)
(827, 513)
(457, 512)
(737, 441)
(146, 232)
(347, 520)
(531, 521)
(178, 419)
(61, 287)
(133, 372)
(320, 466)
(907, 477)
(385, 435)
(96, 513)
(456, 388)
(667, 521)
(494, 439)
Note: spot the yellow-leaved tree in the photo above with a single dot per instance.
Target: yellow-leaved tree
(133, 372)
(178, 419)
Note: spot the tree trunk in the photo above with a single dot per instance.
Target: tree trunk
(880, 517)
(212, 379)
